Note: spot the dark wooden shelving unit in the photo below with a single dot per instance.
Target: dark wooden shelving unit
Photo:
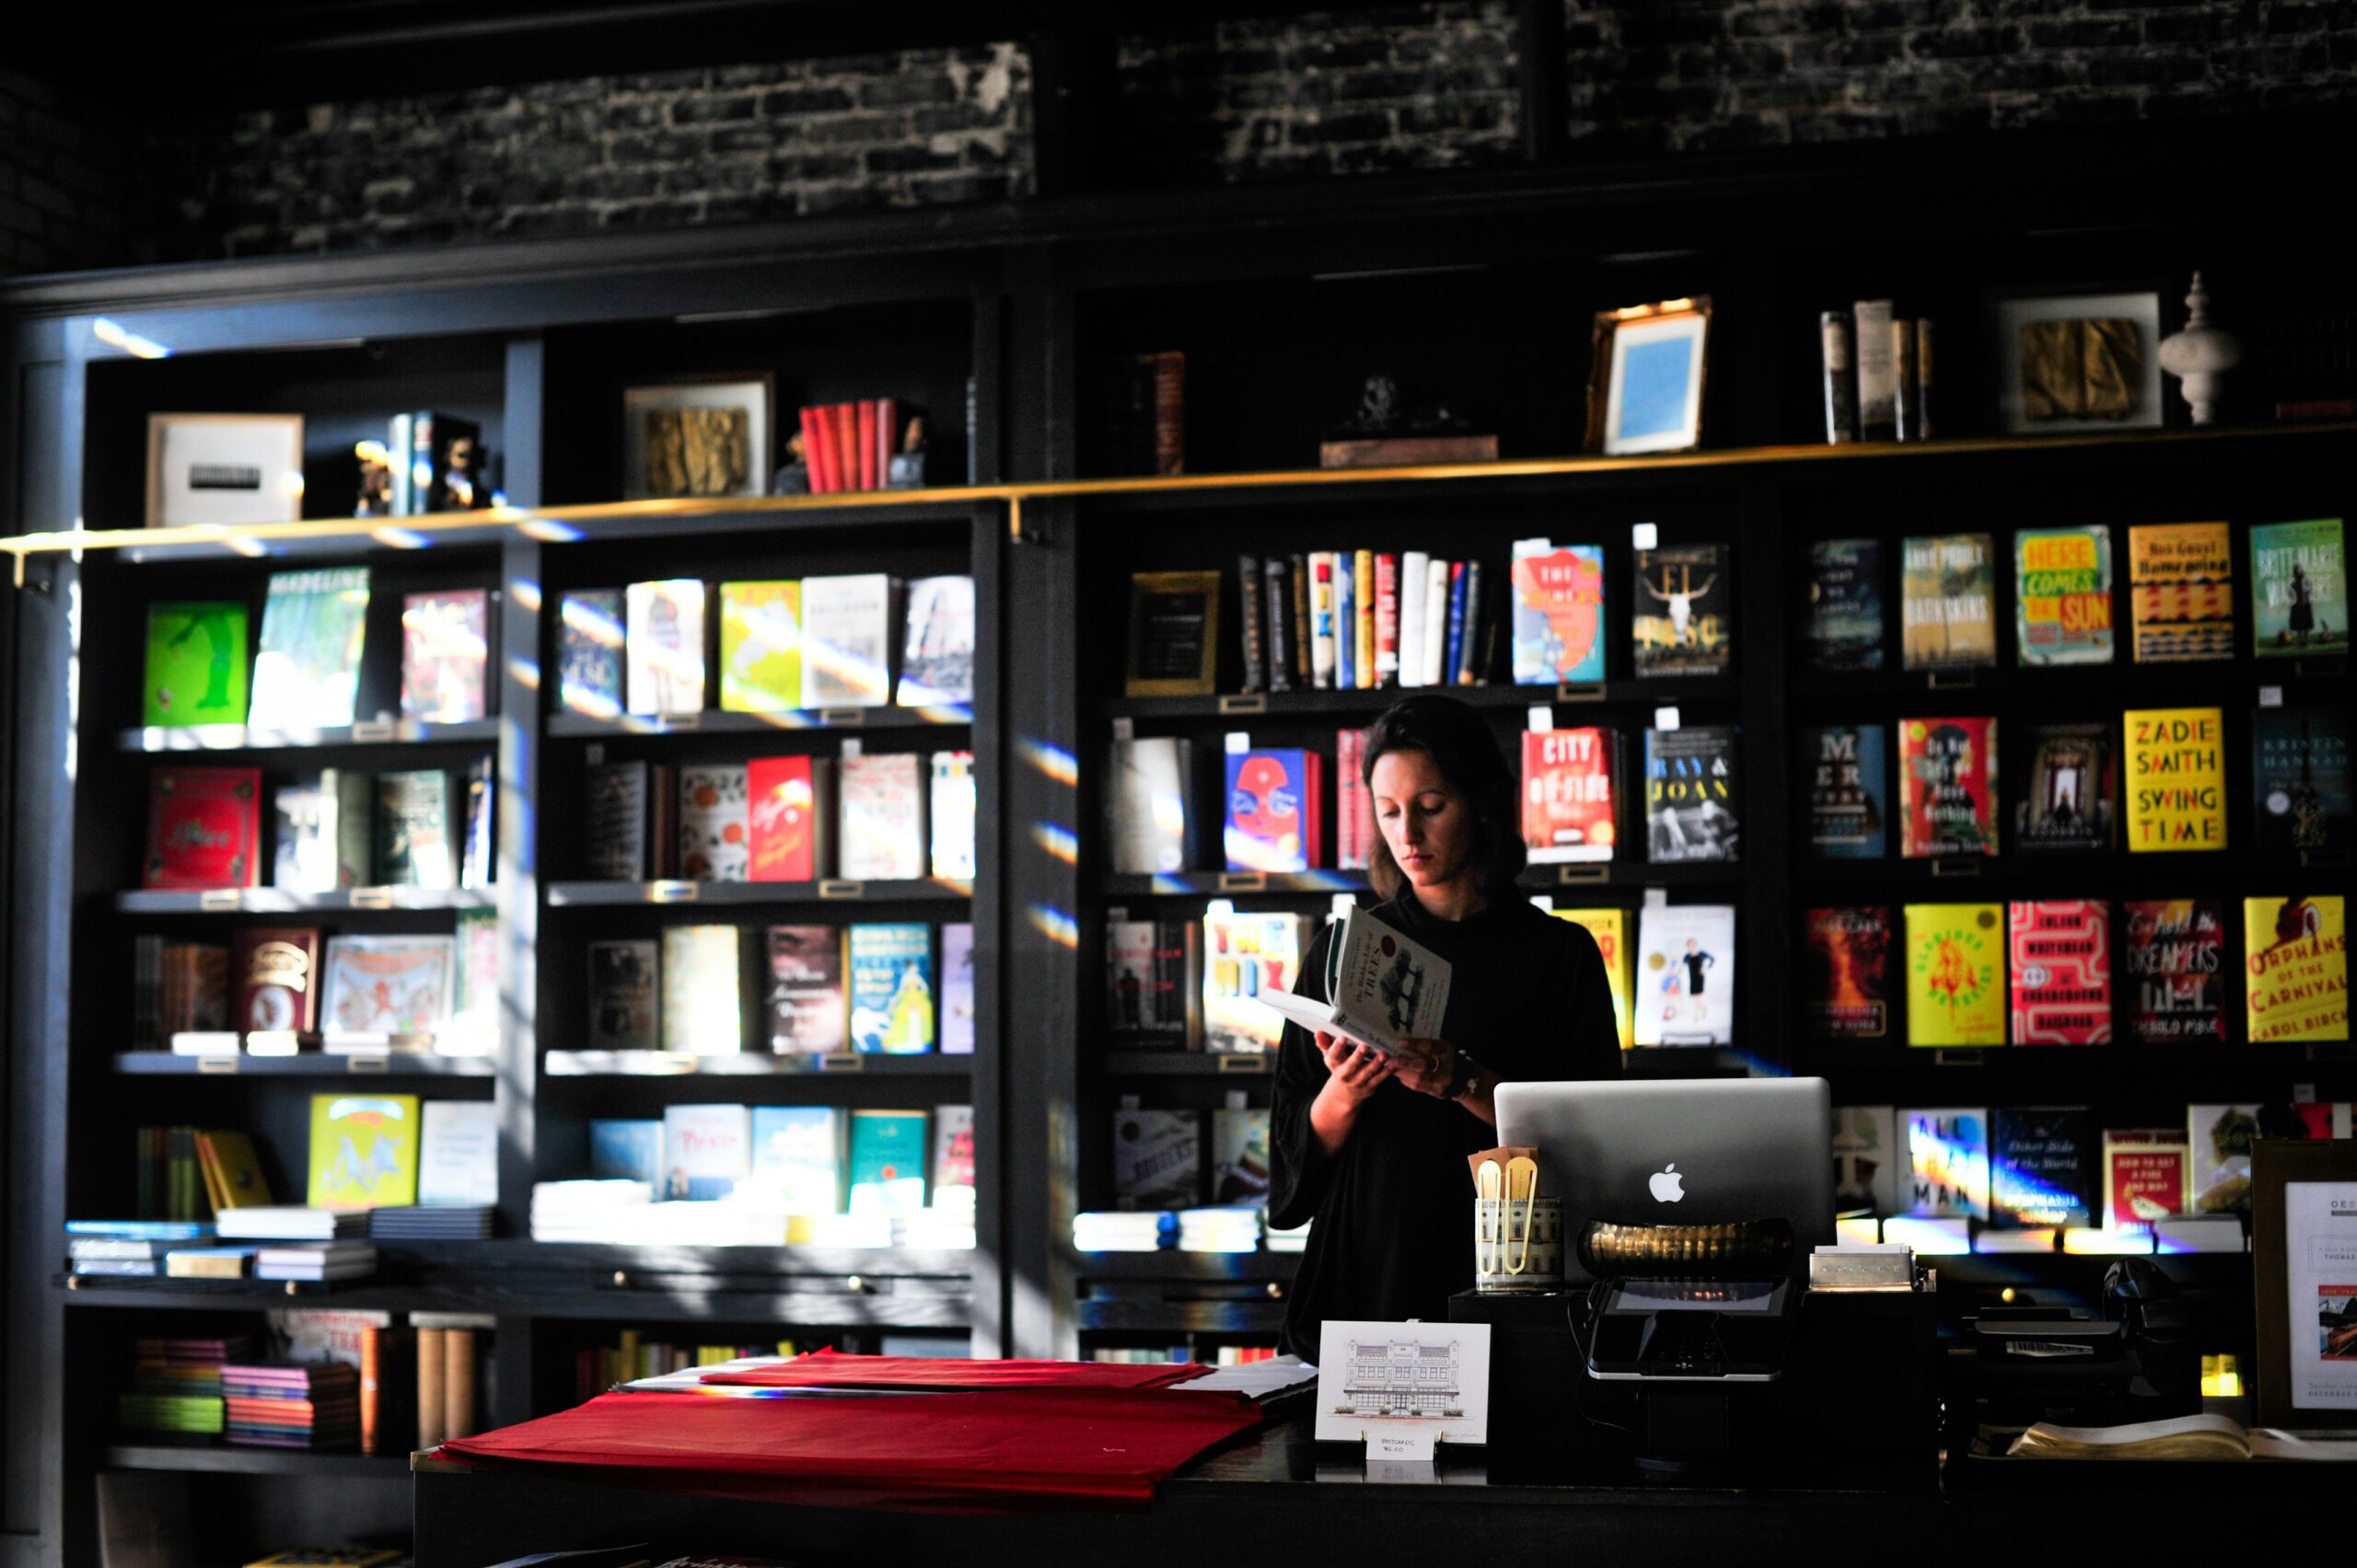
(306, 1064)
(216, 1456)
(277, 901)
(241, 737)
(751, 1064)
(755, 894)
(588, 727)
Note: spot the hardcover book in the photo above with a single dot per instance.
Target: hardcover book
(715, 831)
(798, 1156)
(1955, 974)
(937, 657)
(2175, 952)
(1246, 954)
(1692, 809)
(1684, 621)
(1845, 605)
(1867, 1159)
(1149, 806)
(891, 988)
(809, 1007)
(326, 831)
(1947, 1157)
(446, 654)
(388, 986)
(707, 1150)
(2041, 1167)
(474, 1015)
(1566, 795)
(1153, 977)
(627, 1151)
(2299, 589)
(616, 819)
(622, 1012)
(1685, 975)
(2061, 971)
(1157, 1159)
(665, 645)
(1948, 595)
(882, 833)
(2062, 595)
(458, 1158)
(1947, 786)
(1609, 927)
(2144, 1178)
(957, 988)
(1559, 633)
(1240, 1156)
(1381, 987)
(2218, 1141)
(306, 675)
(2181, 591)
(1849, 951)
(414, 829)
(886, 1162)
(704, 1011)
(476, 860)
(847, 641)
(949, 813)
(2299, 781)
(2065, 801)
(203, 827)
(1849, 811)
(760, 647)
(363, 1151)
(788, 818)
(276, 971)
(196, 663)
(1273, 799)
(953, 1154)
(1353, 806)
(2177, 779)
(2295, 962)
(589, 647)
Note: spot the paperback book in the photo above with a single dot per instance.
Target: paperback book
(589, 652)
(1153, 973)
(886, 1162)
(707, 1151)
(1274, 816)
(617, 814)
(664, 648)
(1240, 1156)
(2175, 950)
(627, 1150)
(2145, 1173)
(957, 988)
(413, 847)
(1947, 1157)
(2060, 955)
(1157, 1159)
(275, 969)
(937, 657)
(1149, 806)
(1610, 928)
(1692, 809)
(1686, 974)
(363, 1151)
(1947, 786)
(950, 808)
(2041, 1167)
(1558, 616)
(196, 663)
(882, 833)
(1684, 621)
(2065, 801)
(1381, 986)
(788, 819)
(1248, 956)
(1848, 951)
(1849, 814)
(809, 1006)
(2299, 589)
(2299, 781)
(2177, 779)
(325, 832)
(2218, 1141)
(892, 987)
(1845, 605)
(622, 995)
(457, 1162)
(1948, 595)
(847, 641)
(760, 647)
(2181, 591)
(716, 832)
(1955, 974)
(306, 675)
(798, 1156)
(1567, 807)
(445, 655)
(2295, 960)
(2062, 595)
(703, 1010)
(203, 827)
(1354, 805)
(387, 988)
(1867, 1159)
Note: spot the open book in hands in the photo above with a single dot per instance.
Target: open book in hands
(1385, 987)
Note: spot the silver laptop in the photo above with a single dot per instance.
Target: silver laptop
(1684, 1151)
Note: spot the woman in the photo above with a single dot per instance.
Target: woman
(1374, 1147)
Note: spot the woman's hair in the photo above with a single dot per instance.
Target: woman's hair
(1458, 741)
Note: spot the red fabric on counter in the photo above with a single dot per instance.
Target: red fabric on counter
(834, 1369)
(1017, 1447)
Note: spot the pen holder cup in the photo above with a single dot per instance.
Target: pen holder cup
(1517, 1244)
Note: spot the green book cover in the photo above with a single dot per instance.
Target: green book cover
(2062, 595)
(363, 1151)
(308, 673)
(2299, 589)
(887, 1163)
(760, 647)
(196, 665)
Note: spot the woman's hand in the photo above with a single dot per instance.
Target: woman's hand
(1354, 1071)
(1426, 1066)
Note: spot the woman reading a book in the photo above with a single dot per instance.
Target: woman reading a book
(1373, 1146)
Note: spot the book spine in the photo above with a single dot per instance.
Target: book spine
(1878, 372)
(1416, 576)
(1386, 620)
(1346, 637)
(867, 479)
(846, 424)
(458, 1383)
(397, 443)
(1362, 667)
(811, 465)
(433, 1374)
(371, 1386)
(1249, 587)
(1905, 416)
(887, 429)
(1298, 596)
(1439, 665)
(1321, 619)
(1456, 638)
(1924, 428)
(1468, 666)
(1169, 371)
(662, 829)
(1841, 379)
(1279, 613)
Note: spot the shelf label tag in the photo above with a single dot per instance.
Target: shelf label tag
(1413, 1446)
(217, 900)
(1642, 536)
(1238, 742)
(373, 732)
(1242, 1064)
(1244, 702)
(851, 747)
(217, 1064)
(1656, 898)
(1541, 719)
(681, 721)
(836, 888)
(372, 898)
(1568, 875)
(842, 1062)
(1666, 718)
(844, 718)
(1952, 866)
(366, 1063)
(1579, 692)
(1243, 881)
(2270, 696)
(674, 892)
(1950, 680)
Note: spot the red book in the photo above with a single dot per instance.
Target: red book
(814, 452)
(1274, 816)
(2144, 1177)
(845, 421)
(1355, 809)
(868, 445)
(1567, 795)
(203, 827)
(887, 427)
(784, 806)
(1387, 620)
(276, 970)
(1947, 786)
(2061, 957)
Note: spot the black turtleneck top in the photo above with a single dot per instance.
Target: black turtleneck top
(1527, 999)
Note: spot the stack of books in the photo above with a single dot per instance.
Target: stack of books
(208, 1262)
(430, 1221)
(1142, 1231)
(280, 1406)
(176, 1385)
(585, 1210)
(1233, 1227)
(127, 1248)
(1294, 1240)
(290, 1222)
(317, 1261)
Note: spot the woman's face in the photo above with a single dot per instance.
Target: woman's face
(1424, 822)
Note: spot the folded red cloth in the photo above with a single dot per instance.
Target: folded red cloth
(832, 1369)
(1009, 1447)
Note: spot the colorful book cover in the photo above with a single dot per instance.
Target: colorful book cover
(2299, 589)
(950, 808)
(275, 969)
(1610, 929)
(1354, 805)
(458, 1153)
(196, 663)
(1157, 1159)
(1559, 633)
(622, 995)
(892, 988)
(1692, 807)
(1148, 805)
(387, 985)
(664, 648)
(1849, 799)
(953, 1151)
(703, 1009)
(760, 647)
(1239, 1162)
(881, 836)
(2300, 780)
(715, 831)
(1845, 605)
(628, 1150)
(809, 1008)
(886, 1162)
(2066, 793)
(1947, 1159)
(2218, 1141)
(1685, 975)
(1148, 977)
(2295, 962)
(445, 655)
(847, 641)
(1947, 786)
(412, 846)
(1566, 795)
(784, 818)
(1684, 623)
(937, 656)
(1948, 595)
(2060, 953)
(2177, 779)
(1867, 1159)
(1849, 952)
(2175, 950)
(1955, 974)
(798, 1156)
(958, 989)
(1245, 954)
(2041, 1167)
(707, 1150)
(1272, 810)
(590, 653)
(363, 1151)
(2181, 591)
(306, 675)
(203, 827)
(2062, 595)
(2145, 1173)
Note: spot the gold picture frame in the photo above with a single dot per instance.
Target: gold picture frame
(1173, 634)
(1647, 371)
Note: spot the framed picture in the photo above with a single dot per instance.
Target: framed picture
(2304, 1246)
(2077, 361)
(1173, 634)
(1401, 1387)
(1644, 389)
(224, 469)
(700, 438)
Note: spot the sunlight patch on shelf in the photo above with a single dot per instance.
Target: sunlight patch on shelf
(524, 672)
(1060, 841)
(1053, 762)
(549, 531)
(400, 538)
(1055, 925)
(527, 594)
(117, 336)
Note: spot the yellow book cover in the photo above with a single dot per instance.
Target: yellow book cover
(2181, 591)
(1610, 929)
(363, 1151)
(2295, 967)
(2177, 778)
(760, 646)
(1955, 974)
(1363, 611)
(232, 1170)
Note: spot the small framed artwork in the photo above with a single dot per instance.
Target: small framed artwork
(1403, 1387)
(1173, 634)
(2304, 1253)
(699, 439)
(2068, 362)
(1645, 377)
(224, 469)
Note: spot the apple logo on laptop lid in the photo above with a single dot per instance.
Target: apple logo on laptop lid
(1666, 1184)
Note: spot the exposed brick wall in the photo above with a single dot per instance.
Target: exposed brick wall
(65, 191)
